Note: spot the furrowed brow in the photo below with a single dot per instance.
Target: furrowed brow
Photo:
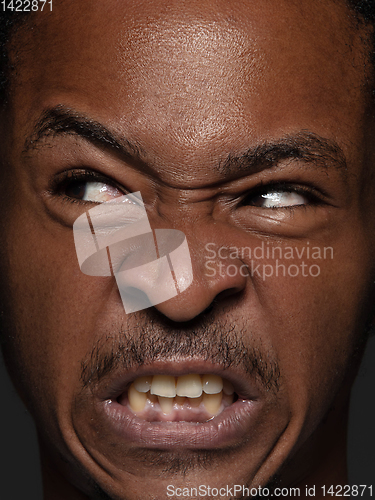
(304, 146)
(61, 120)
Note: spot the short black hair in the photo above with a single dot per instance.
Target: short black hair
(10, 21)
(364, 8)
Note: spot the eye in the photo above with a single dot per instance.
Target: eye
(97, 192)
(283, 196)
(87, 186)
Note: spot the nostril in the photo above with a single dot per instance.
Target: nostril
(228, 292)
(222, 295)
(209, 308)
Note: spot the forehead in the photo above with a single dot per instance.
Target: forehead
(187, 73)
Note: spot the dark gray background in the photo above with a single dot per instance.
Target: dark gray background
(19, 461)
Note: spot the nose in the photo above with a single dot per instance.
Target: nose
(215, 276)
(213, 279)
(155, 268)
(179, 281)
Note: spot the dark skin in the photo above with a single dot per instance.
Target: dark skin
(188, 84)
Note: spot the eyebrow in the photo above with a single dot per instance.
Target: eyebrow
(304, 145)
(61, 120)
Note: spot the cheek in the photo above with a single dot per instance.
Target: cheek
(314, 322)
(51, 311)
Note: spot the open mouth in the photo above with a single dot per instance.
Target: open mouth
(186, 398)
(189, 405)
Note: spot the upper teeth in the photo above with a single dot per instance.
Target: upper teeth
(190, 386)
(163, 385)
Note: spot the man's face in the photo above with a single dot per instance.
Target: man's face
(244, 125)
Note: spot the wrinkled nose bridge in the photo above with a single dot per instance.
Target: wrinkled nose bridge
(115, 238)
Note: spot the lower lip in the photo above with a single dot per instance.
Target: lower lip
(229, 428)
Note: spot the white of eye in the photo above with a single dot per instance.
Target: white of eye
(278, 199)
(100, 192)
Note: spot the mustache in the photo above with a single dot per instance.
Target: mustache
(218, 342)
